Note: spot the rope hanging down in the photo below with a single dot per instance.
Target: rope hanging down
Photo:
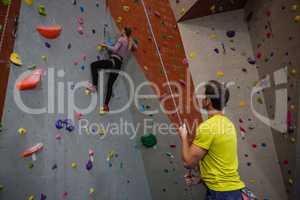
(161, 60)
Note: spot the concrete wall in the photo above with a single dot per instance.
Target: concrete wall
(210, 51)
(275, 35)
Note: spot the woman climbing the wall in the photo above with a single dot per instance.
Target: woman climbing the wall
(118, 53)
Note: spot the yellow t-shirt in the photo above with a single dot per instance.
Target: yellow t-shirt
(219, 167)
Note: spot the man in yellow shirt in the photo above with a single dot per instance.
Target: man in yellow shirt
(215, 147)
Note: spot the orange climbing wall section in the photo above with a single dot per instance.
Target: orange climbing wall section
(131, 13)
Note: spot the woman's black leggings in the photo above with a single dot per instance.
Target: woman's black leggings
(106, 64)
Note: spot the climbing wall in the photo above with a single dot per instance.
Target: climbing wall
(274, 29)
(181, 7)
(59, 171)
(219, 48)
(122, 167)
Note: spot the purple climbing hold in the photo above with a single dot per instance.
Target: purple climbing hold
(59, 124)
(47, 44)
(230, 34)
(217, 50)
(251, 61)
(89, 165)
(43, 197)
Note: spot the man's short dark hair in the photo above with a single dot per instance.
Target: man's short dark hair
(218, 94)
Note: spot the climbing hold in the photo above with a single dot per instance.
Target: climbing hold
(15, 59)
(58, 136)
(212, 8)
(294, 7)
(1, 188)
(65, 194)
(182, 11)
(110, 155)
(31, 81)
(251, 61)
(258, 55)
(213, 36)
(259, 100)
(242, 104)
(220, 74)
(126, 8)
(54, 166)
(293, 140)
(217, 50)
(297, 18)
(43, 197)
(30, 165)
(89, 165)
(78, 115)
(80, 20)
(293, 72)
(49, 32)
(291, 182)
(22, 131)
(149, 140)
(119, 20)
(42, 10)
(32, 150)
(192, 55)
(29, 2)
(81, 9)
(48, 45)
(230, 34)
(80, 30)
(74, 165)
(92, 191)
(31, 197)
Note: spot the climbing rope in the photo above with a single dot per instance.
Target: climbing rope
(161, 60)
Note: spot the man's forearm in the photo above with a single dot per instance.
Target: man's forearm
(185, 148)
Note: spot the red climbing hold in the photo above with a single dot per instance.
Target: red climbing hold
(31, 81)
(49, 32)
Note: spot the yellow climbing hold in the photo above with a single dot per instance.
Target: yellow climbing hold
(119, 20)
(192, 55)
(293, 140)
(110, 155)
(182, 11)
(44, 58)
(29, 2)
(126, 8)
(294, 7)
(31, 197)
(213, 8)
(242, 104)
(213, 36)
(92, 190)
(22, 131)
(293, 72)
(87, 92)
(297, 18)
(74, 165)
(15, 59)
(291, 182)
(292, 107)
(220, 74)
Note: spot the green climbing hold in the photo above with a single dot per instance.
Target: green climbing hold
(149, 140)
(6, 2)
(1, 188)
(42, 10)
